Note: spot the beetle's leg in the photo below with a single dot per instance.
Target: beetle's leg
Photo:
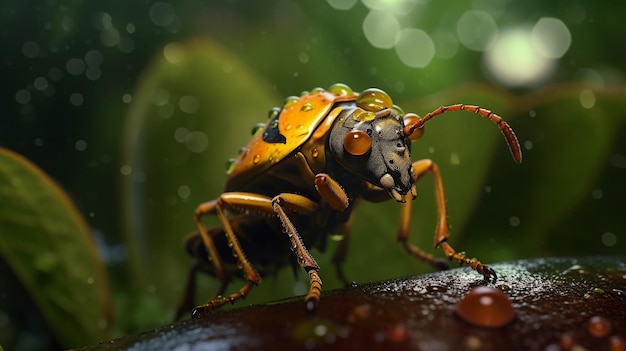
(240, 200)
(342, 250)
(204, 209)
(403, 238)
(189, 298)
(331, 192)
(441, 234)
(304, 258)
(337, 199)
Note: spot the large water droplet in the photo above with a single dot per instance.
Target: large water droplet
(485, 307)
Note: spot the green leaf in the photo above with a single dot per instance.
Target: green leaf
(192, 110)
(47, 243)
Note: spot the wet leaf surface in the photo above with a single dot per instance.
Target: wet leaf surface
(559, 303)
(46, 241)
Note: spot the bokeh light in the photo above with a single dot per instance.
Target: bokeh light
(477, 30)
(515, 62)
(551, 38)
(341, 4)
(415, 48)
(382, 29)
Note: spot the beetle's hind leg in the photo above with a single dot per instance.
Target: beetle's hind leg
(442, 232)
(253, 278)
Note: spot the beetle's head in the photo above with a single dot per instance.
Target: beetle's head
(373, 146)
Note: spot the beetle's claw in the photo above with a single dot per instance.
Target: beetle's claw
(489, 274)
(200, 312)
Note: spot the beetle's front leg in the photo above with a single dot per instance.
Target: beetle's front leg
(304, 258)
(442, 232)
(337, 199)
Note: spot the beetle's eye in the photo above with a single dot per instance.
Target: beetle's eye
(411, 119)
(357, 142)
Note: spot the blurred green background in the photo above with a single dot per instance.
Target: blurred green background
(134, 107)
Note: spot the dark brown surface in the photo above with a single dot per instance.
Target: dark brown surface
(556, 302)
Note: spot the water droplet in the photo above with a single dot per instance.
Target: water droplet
(398, 110)
(599, 326)
(306, 107)
(256, 159)
(290, 100)
(617, 343)
(397, 333)
(315, 152)
(567, 341)
(503, 287)
(374, 100)
(473, 342)
(288, 127)
(485, 307)
(340, 89)
(230, 165)
(363, 116)
(273, 113)
(317, 332)
(360, 313)
(257, 128)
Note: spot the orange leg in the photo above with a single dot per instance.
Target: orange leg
(257, 204)
(304, 258)
(442, 232)
(242, 200)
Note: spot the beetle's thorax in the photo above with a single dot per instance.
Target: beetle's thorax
(387, 161)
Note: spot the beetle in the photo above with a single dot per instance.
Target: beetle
(300, 178)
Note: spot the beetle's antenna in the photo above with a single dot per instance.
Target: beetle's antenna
(507, 131)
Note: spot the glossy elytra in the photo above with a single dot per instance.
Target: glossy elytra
(298, 180)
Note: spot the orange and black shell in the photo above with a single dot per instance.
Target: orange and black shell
(291, 126)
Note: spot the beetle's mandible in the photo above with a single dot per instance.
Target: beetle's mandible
(300, 177)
